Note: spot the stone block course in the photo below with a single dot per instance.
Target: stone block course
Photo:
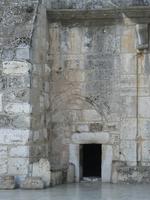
(144, 103)
(3, 151)
(128, 129)
(14, 136)
(128, 151)
(16, 68)
(19, 151)
(16, 108)
(7, 182)
(18, 166)
(32, 183)
(3, 165)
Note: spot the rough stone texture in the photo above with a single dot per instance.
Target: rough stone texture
(95, 73)
(56, 178)
(94, 4)
(67, 82)
(134, 174)
(32, 183)
(42, 170)
(71, 173)
(22, 122)
(7, 182)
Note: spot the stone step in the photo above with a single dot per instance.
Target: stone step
(32, 183)
(7, 182)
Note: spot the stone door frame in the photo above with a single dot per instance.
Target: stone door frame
(92, 138)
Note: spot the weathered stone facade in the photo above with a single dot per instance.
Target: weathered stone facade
(74, 73)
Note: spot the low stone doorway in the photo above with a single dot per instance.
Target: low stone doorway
(90, 160)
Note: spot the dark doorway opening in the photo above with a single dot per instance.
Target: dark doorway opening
(91, 160)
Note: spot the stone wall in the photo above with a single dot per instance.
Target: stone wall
(93, 4)
(99, 94)
(24, 88)
(16, 32)
(64, 83)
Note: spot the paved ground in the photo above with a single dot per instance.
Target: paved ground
(82, 191)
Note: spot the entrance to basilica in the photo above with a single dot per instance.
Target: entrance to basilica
(90, 160)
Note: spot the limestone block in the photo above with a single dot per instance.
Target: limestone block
(39, 151)
(19, 151)
(91, 116)
(109, 42)
(145, 164)
(14, 136)
(73, 42)
(19, 94)
(128, 106)
(145, 154)
(60, 116)
(21, 121)
(74, 159)
(23, 53)
(144, 104)
(8, 54)
(128, 151)
(116, 154)
(128, 174)
(115, 165)
(16, 67)
(128, 81)
(16, 82)
(96, 127)
(18, 108)
(128, 43)
(3, 151)
(54, 34)
(143, 81)
(7, 182)
(42, 169)
(132, 92)
(129, 129)
(110, 126)
(101, 63)
(32, 183)
(37, 69)
(144, 128)
(18, 166)
(102, 74)
(82, 128)
(75, 75)
(74, 63)
(144, 92)
(128, 63)
(3, 165)
(71, 173)
(89, 137)
(57, 178)
(107, 157)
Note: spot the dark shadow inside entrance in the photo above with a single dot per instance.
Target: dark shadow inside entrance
(91, 160)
